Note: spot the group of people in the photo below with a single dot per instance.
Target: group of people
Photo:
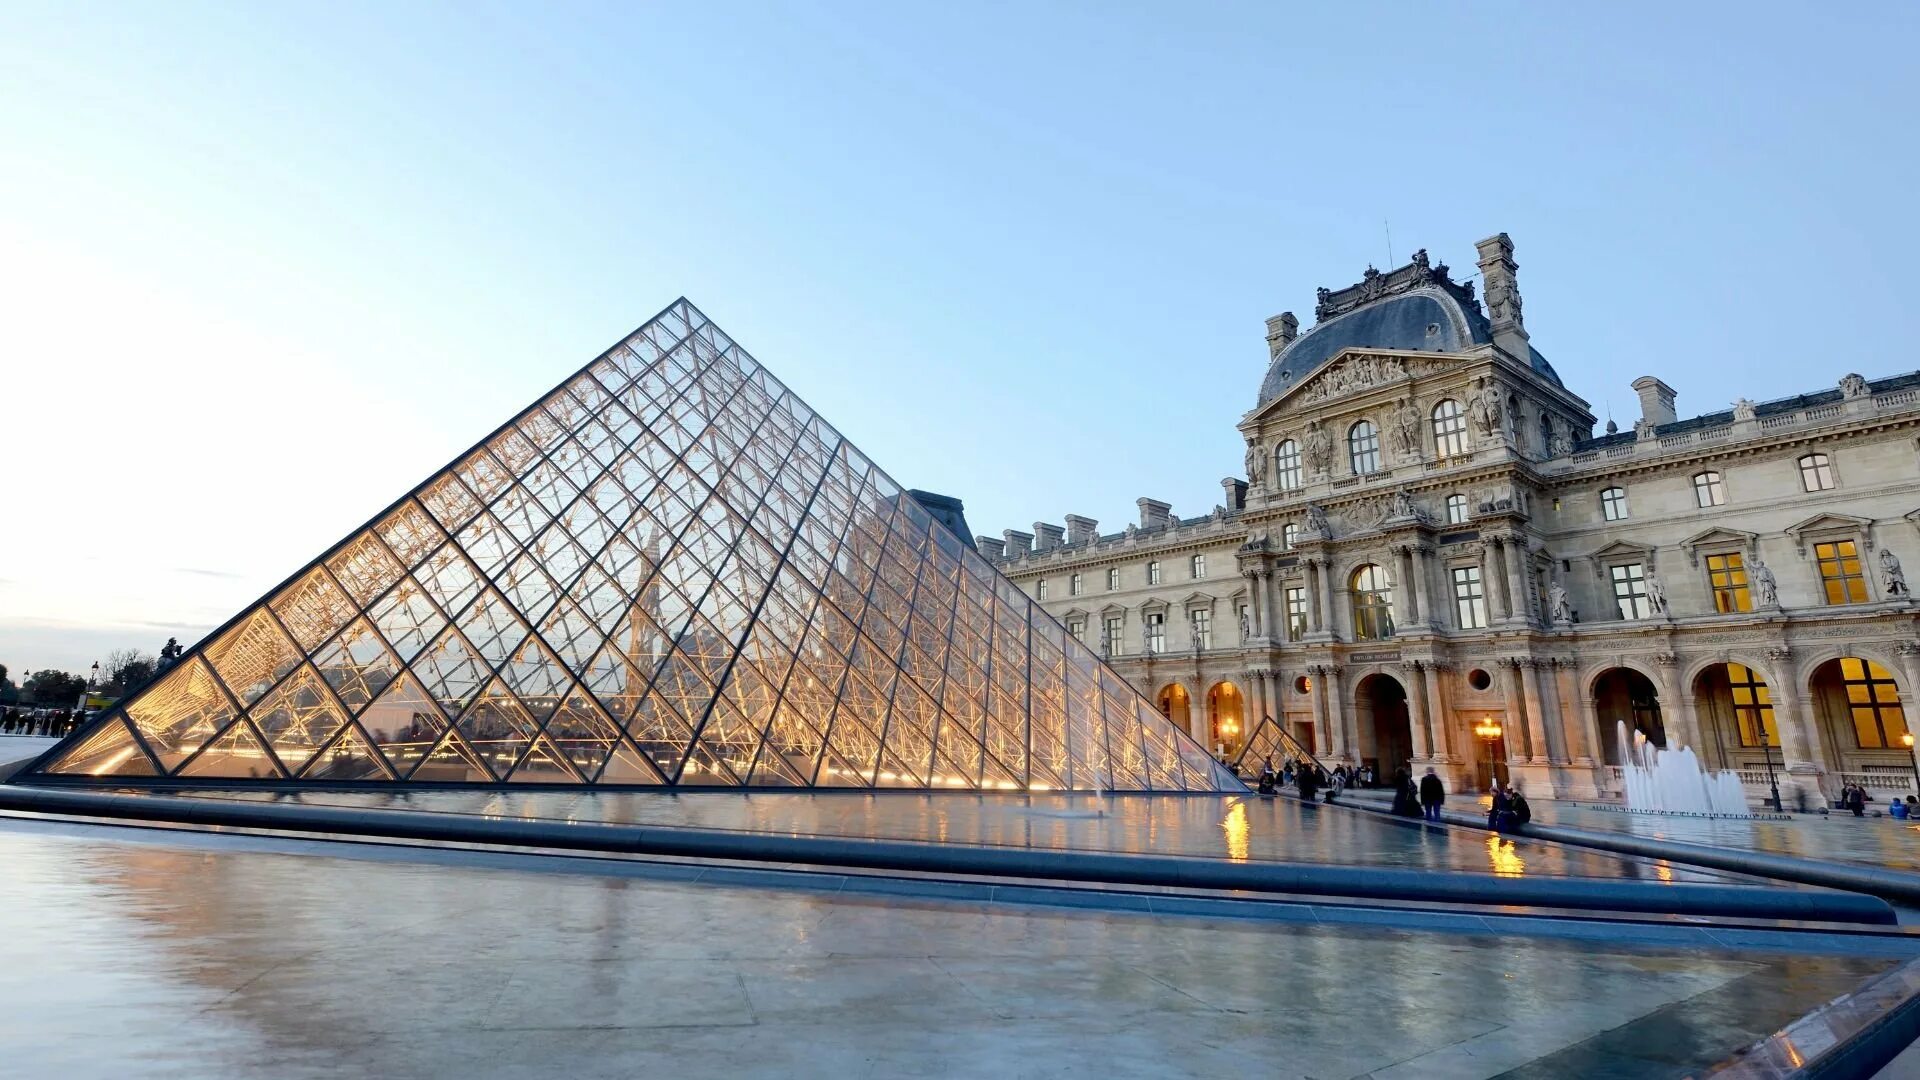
(1423, 800)
(52, 723)
(1510, 810)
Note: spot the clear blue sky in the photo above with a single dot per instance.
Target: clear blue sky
(263, 267)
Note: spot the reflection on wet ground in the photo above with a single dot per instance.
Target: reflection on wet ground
(137, 959)
(1233, 827)
(1880, 841)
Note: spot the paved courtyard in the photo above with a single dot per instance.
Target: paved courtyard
(138, 953)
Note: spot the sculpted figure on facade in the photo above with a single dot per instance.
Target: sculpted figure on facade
(1656, 593)
(1403, 505)
(1317, 522)
(1743, 409)
(1766, 589)
(1406, 430)
(1146, 636)
(1484, 410)
(1893, 580)
(1256, 464)
(1853, 386)
(1246, 628)
(1319, 448)
(1559, 605)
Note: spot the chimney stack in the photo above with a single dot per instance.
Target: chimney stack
(1046, 537)
(1656, 400)
(991, 548)
(1019, 544)
(1236, 492)
(1281, 330)
(1081, 530)
(1154, 514)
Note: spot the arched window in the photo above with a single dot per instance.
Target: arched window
(1613, 504)
(1286, 466)
(1513, 417)
(1456, 509)
(1449, 429)
(1816, 473)
(1709, 490)
(1546, 432)
(1363, 447)
(1372, 603)
(1289, 536)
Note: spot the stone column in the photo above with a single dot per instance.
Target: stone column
(1682, 729)
(1423, 586)
(1439, 717)
(1516, 577)
(1572, 703)
(1278, 710)
(1419, 716)
(1519, 737)
(1540, 749)
(1263, 584)
(1276, 615)
(1332, 740)
(1256, 697)
(1409, 612)
(1498, 573)
(1327, 616)
(1799, 747)
(1316, 614)
(1256, 619)
(1590, 719)
(1559, 747)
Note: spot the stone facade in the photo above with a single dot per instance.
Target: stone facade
(1431, 539)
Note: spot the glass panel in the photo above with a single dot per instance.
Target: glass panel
(348, 758)
(253, 656)
(403, 722)
(109, 751)
(298, 717)
(409, 533)
(313, 608)
(364, 568)
(177, 715)
(235, 754)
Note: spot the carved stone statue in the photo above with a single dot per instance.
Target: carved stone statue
(1146, 636)
(1893, 580)
(170, 652)
(1319, 448)
(1766, 589)
(1656, 593)
(1853, 386)
(1402, 506)
(1743, 409)
(1559, 605)
(1317, 521)
(1106, 644)
(1256, 464)
(1420, 259)
(1406, 430)
(1484, 410)
(1246, 628)
(1322, 301)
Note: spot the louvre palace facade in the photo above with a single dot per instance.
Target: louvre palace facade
(1434, 558)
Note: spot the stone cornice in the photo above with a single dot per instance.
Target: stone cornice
(1717, 444)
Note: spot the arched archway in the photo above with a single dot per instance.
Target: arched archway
(1227, 717)
(1623, 695)
(1386, 732)
(1177, 705)
(1735, 706)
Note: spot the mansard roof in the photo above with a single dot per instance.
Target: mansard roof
(1761, 410)
(1416, 307)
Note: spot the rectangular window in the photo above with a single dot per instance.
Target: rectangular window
(1113, 579)
(1752, 706)
(1078, 628)
(1709, 490)
(1630, 590)
(1073, 585)
(1469, 598)
(1199, 567)
(1296, 612)
(1874, 700)
(1727, 576)
(1816, 473)
(1040, 589)
(1153, 572)
(1613, 504)
(1840, 572)
(1203, 629)
(1156, 633)
(1116, 641)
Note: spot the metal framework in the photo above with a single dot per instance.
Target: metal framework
(669, 571)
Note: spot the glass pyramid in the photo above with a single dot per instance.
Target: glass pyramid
(667, 572)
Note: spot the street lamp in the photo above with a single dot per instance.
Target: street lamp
(1766, 747)
(1908, 740)
(1489, 729)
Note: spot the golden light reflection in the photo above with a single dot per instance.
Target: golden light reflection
(1664, 872)
(1235, 826)
(1505, 858)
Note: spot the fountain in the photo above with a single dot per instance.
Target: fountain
(1672, 781)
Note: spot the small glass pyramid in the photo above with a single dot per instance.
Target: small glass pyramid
(667, 572)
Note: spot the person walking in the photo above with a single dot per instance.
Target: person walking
(1433, 794)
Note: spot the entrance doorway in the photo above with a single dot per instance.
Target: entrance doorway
(1386, 734)
(1623, 695)
(1228, 712)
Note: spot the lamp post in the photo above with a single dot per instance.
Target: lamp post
(1766, 747)
(93, 680)
(1915, 765)
(1489, 729)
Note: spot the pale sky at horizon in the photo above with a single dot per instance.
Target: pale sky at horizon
(263, 268)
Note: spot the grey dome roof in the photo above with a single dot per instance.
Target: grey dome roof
(1428, 317)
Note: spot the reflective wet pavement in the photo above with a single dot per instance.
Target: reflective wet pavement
(1231, 827)
(129, 954)
(1872, 841)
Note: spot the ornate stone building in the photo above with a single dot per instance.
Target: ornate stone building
(1431, 541)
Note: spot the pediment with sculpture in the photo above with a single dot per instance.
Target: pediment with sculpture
(1354, 372)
